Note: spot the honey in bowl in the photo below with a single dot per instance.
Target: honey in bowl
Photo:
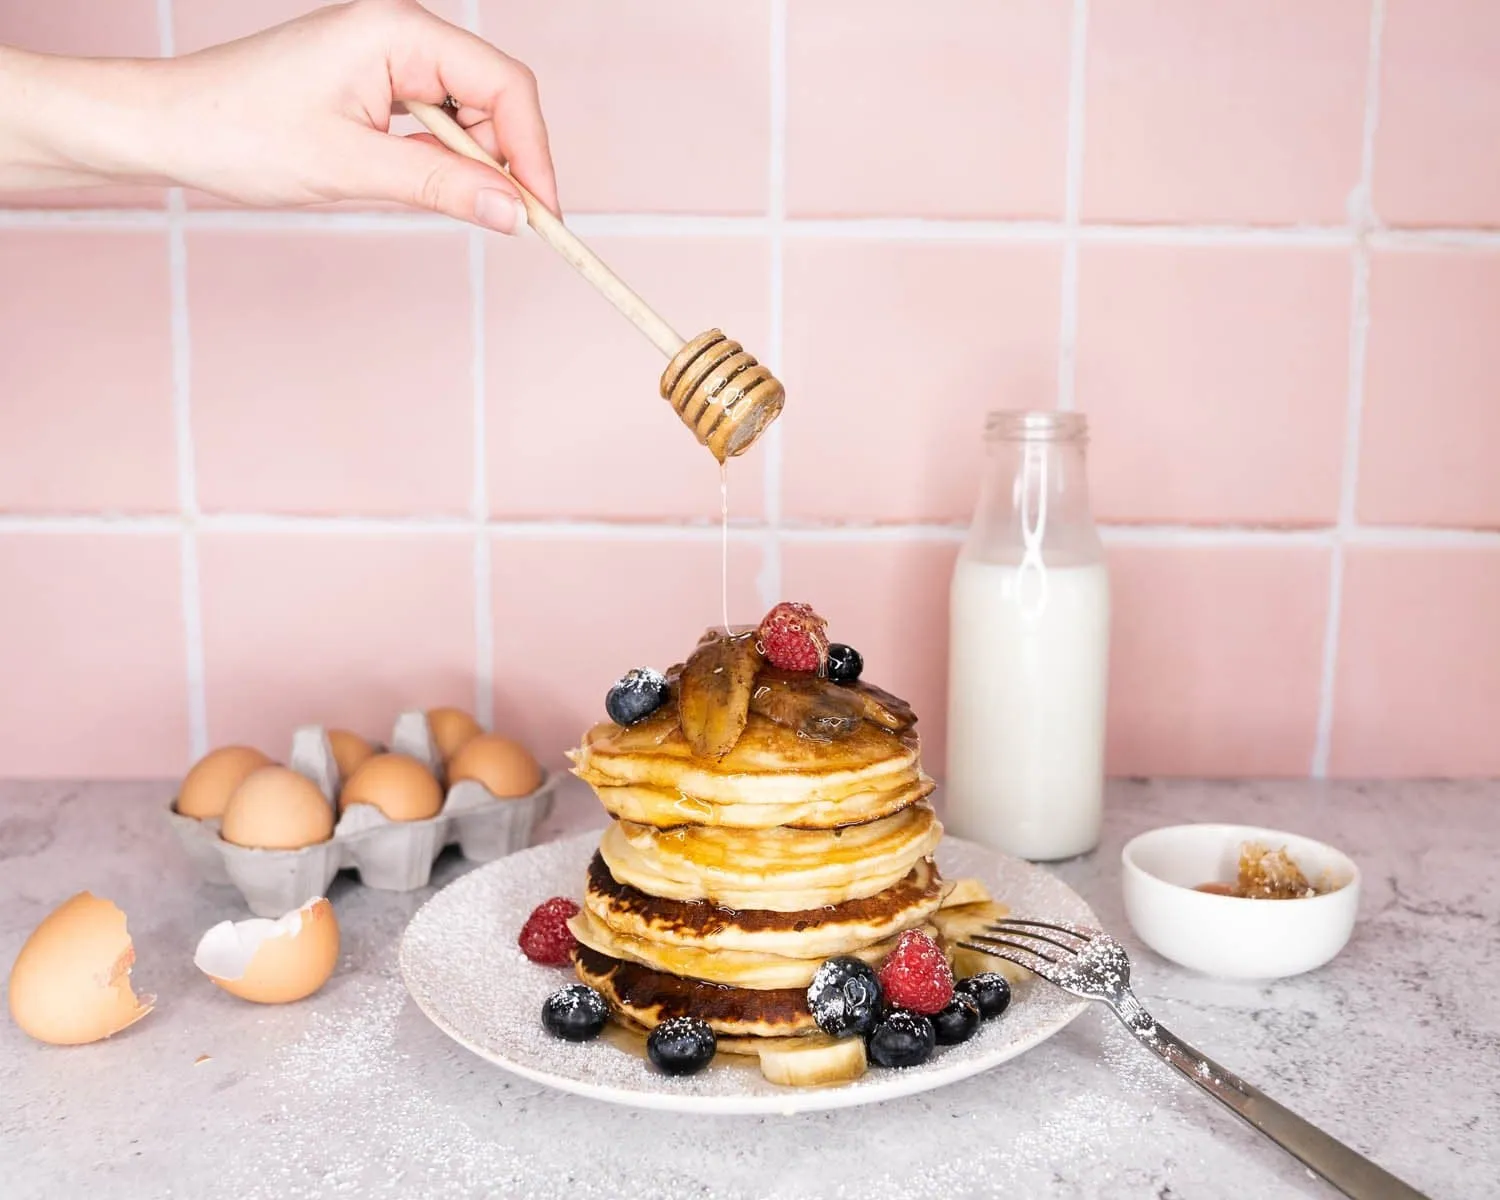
(1266, 874)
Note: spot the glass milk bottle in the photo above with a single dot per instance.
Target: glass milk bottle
(1029, 647)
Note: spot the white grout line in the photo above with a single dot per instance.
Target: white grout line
(1067, 331)
(769, 580)
(1362, 218)
(479, 507)
(897, 229)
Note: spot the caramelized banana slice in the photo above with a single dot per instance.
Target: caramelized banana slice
(881, 707)
(713, 692)
(808, 704)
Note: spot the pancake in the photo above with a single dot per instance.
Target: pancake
(807, 933)
(770, 764)
(648, 998)
(653, 806)
(777, 869)
(736, 968)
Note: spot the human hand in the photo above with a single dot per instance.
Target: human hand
(299, 115)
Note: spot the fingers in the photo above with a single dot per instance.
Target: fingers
(431, 60)
(419, 172)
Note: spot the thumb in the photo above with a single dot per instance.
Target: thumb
(419, 172)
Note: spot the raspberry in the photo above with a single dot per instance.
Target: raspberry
(794, 638)
(916, 975)
(546, 938)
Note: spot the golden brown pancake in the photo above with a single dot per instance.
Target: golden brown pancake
(769, 764)
(778, 869)
(807, 933)
(650, 997)
(665, 809)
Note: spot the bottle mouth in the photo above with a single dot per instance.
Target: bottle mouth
(1036, 425)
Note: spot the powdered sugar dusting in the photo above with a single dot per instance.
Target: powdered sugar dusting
(463, 968)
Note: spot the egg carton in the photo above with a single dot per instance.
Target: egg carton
(391, 856)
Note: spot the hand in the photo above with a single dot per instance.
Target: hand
(299, 115)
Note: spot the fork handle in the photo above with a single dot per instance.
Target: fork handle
(1349, 1171)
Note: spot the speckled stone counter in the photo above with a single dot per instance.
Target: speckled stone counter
(1394, 1047)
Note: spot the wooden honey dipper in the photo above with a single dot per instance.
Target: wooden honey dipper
(721, 392)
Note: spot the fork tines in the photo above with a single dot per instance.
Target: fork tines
(1039, 946)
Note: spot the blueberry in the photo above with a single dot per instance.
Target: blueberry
(575, 1013)
(635, 696)
(844, 663)
(681, 1045)
(991, 991)
(902, 1039)
(845, 997)
(958, 1022)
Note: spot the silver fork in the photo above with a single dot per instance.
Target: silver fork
(1093, 965)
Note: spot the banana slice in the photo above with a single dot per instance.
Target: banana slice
(819, 1062)
(965, 891)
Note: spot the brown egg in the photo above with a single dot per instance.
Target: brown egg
(504, 766)
(277, 809)
(71, 982)
(451, 728)
(397, 784)
(349, 750)
(208, 785)
(273, 962)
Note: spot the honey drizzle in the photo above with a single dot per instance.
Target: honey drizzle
(724, 543)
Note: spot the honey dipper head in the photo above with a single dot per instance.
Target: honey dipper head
(723, 394)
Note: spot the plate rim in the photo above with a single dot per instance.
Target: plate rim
(797, 1100)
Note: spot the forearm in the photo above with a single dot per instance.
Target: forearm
(70, 122)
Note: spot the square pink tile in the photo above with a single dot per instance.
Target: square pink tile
(200, 23)
(576, 424)
(1418, 681)
(119, 29)
(331, 371)
(889, 600)
(894, 353)
(1431, 422)
(95, 675)
(1237, 111)
(1215, 659)
(661, 107)
(340, 630)
(573, 615)
(1439, 113)
(1215, 380)
(86, 378)
(961, 113)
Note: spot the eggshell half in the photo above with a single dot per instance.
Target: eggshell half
(397, 784)
(450, 729)
(349, 750)
(71, 982)
(277, 809)
(504, 766)
(207, 787)
(272, 962)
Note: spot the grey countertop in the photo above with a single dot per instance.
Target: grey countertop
(1394, 1047)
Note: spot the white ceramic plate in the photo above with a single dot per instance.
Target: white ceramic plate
(460, 961)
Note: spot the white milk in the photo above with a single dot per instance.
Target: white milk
(1028, 669)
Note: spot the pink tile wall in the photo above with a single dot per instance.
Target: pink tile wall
(296, 471)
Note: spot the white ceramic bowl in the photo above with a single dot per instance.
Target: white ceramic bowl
(1225, 936)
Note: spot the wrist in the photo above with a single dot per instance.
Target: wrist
(69, 121)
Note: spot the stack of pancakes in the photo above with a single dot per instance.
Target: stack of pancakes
(764, 822)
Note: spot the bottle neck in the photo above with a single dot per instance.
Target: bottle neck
(1034, 499)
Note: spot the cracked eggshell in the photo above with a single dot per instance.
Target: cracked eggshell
(70, 984)
(272, 962)
(207, 787)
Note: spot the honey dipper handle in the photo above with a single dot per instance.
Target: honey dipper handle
(552, 231)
